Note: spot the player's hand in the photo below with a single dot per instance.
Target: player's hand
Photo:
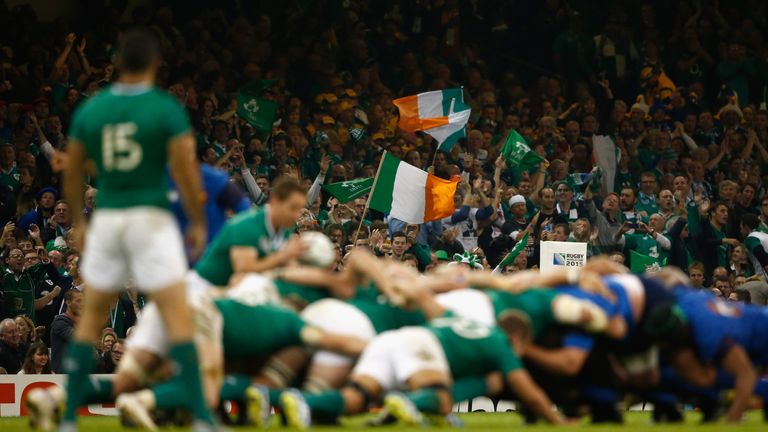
(294, 248)
(56, 291)
(197, 236)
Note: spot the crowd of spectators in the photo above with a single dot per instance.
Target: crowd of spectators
(678, 86)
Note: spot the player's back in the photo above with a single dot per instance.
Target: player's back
(125, 130)
(472, 348)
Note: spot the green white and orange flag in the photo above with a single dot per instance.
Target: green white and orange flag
(441, 113)
(410, 194)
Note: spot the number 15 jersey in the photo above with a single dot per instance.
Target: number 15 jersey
(125, 130)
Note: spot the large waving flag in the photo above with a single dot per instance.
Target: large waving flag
(518, 153)
(441, 113)
(410, 194)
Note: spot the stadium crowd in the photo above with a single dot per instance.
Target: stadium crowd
(679, 87)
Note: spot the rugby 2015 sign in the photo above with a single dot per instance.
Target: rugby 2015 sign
(562, 254)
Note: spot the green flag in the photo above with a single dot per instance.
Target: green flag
(259, 113)
(578, 179)
(348, 190)
(518, 153)
(639, 263)
(513, 254)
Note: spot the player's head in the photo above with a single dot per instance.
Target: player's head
(517, 326)
(138, 52)
(667, 324)
(286, 200)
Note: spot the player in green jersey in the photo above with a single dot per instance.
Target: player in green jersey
(250, 334)
(131, 132)
(228, 330)
(490, 296)
(359, 306)
(255, 241)
(426, 360)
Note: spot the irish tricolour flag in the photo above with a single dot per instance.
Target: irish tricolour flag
(442, 114)
(410, 194)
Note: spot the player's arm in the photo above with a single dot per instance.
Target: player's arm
(245, 259)
(336, 284)
(362, 265)
(563, 361)
(691, 369)
(342, 344)
(533, 396)
(570, 310)
(737, 363)
(186, 174)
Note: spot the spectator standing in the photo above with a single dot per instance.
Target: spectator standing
(63, 328)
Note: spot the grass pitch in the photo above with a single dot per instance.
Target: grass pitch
(474, 422)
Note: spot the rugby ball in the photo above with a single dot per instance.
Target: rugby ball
(320, 250)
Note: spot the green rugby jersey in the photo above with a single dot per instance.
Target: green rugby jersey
(252, 228)
(126, 131)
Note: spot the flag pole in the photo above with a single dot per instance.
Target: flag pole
(368, 201)
(434, 159)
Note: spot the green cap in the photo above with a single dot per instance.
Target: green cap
(441, 255)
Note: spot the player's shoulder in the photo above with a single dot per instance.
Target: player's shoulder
(246, 217)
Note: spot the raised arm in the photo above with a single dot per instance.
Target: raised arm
(87, 70)
(69, 41)
(316, 188)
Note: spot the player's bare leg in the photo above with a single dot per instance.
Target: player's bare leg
(175, 311)
(79, 360)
